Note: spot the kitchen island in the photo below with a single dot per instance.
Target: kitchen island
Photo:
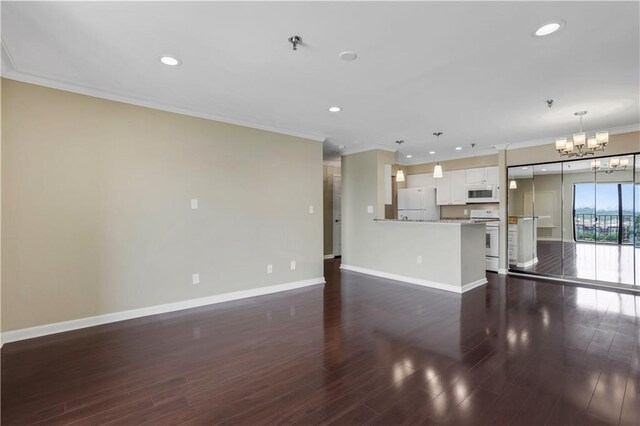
(443, 254)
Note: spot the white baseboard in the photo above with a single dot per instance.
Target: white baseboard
(502, 271)
(59, 327)
(417, 281)
(328, 256)
(527, 263)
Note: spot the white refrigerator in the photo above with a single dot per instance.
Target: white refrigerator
(417, 204)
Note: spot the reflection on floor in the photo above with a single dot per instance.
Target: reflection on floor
(602, 262)
(360, 350)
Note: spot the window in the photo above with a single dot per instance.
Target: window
(603, 212)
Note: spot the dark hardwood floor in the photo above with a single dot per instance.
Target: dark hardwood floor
(361, 350)
(603, 262)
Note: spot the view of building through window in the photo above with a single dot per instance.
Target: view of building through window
(603, 212)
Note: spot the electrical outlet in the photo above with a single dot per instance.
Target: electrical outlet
(269, 269)
(293, 265)
(369, 209)
(194, 203)
(419, 260)
(195, 278)
(310, 209)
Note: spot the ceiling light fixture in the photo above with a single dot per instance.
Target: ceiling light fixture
(458, 148)
(580, 145)
(335, 109)
(400, 173)
(295, 40)
(549, 28)
(170, 60)
(409, 155)
(615, 164)
(432, 152)
(437, 170)
(513, 184)
(348, 56)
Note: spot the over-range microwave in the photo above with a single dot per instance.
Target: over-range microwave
(479, 193)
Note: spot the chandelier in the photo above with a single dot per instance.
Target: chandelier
(615, 164)
(581, 145)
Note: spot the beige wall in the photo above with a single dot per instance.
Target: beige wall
(624, 143)
(328, 171)
(362, 186)
(458, 164)
(96, 207)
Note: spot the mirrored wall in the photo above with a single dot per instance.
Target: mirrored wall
(577, 219)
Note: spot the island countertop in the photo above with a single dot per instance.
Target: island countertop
(440, 221)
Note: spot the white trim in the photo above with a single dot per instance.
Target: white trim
(336, 163)
(367, 149)
(13, 74)
(417, 281)
(598, 284)
(526, 264)
(502, 271)
(59, 327)
(328, 256)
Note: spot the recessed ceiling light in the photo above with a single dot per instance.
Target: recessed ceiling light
(335, 109)
(348, 56)
(169, 60)
(524, 168)
(549, 28)
(458, 148)
(432, 152)
(544, 170)
(409, 155)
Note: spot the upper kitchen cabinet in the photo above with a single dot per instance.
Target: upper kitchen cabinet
(482, 176)
(450, 189)
(458, 193)
(443, 190)
(422, 180)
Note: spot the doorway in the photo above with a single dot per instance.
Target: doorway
(337, 215)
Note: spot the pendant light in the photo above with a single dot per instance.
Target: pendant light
(437, 170)
(513, 184)
(400, 173)
(581, 145)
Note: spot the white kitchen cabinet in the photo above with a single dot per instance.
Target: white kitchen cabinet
(475, 176)
(458, 193)
(450, 189)
(483, 176)
(492, 175)
(422, 180)
(443, 190)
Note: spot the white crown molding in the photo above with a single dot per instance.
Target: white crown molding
(14, 74)
(417, 281)
(59, 327)
(365, 149)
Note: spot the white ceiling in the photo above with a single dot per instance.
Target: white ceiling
(469, 69)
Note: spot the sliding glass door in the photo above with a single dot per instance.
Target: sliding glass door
(583, 218)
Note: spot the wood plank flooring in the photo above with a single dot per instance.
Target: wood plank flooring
(361, 350)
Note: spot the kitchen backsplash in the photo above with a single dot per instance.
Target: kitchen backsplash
(447, 212)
